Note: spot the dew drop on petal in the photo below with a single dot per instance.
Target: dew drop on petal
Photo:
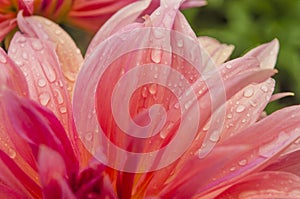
(63, 109)
(180, 43)
(42, 83)
(264, 88)
(243, 162)
(58, 32)
(37, 45)
(11, 153)
(2, 59)
(156, 55)
(44, 98)
(248, 92)
(215, 136)
(228, 66)
(88, 136)
(229, 116)
(25, 55)
(49, 72)
(152, 89)
(240, 108)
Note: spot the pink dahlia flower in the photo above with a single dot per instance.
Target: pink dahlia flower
(156, 113)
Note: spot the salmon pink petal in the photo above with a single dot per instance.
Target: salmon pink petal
(37, 126)
(39, 63)
(53, 174)
(265, 185)
(246, 152)
(13, 176)
(11, 76)
(289, 163)
(123, 17)
(281, 95)
(266, 54)
(219, 52)
(69, 56)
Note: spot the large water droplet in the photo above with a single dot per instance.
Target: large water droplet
(156, 55)
(248, 92)
(44, 98)
(240, 108)
(59, 96)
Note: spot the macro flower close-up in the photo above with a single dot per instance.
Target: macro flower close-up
(151, 110)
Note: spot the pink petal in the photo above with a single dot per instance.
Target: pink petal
(6, 27)
(90, 15)
(39, 63)
(247, 152)
(289, 163)
(26, 6)
(69, 56)
(265, 185)
(13, 176)
(266, 54)
(219, 52)
(281, 95)
(37, 126)
(53, 174)
(123, 17)
(11, 76)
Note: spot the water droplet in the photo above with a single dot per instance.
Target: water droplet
(11, 153)
(244, 120)
(152, 89)
(188, 104)
(2, 59)
(44, 98)
(21, 39)
(264, 88)
(155, 76)
(58, 32)
(158, 33)
(240, 108)
(13, 50)
(232, 169)
(248, 92)
(25, 55)
(156, 55)
(42, 82)
(243, 162)
(177, 105)
(215, 136)
(59, 96)
(144, 92)
(157, 12)
(228, 66)
(19, 62)
(180, 43)
(48, 22)
(62, 109)
(49, 72)
(37, 45)
(229, 116)
(88, 136)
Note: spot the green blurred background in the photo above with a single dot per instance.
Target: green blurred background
(248, 23)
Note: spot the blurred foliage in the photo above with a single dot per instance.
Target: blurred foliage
(248, 23)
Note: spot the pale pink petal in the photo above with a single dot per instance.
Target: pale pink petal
(13, 176)
(289, 163)
(11, 76)
(281, 95)
(40, 65)
(265, 185)
(247, 152)
(266, 54)
(69, 56)
(37, 126)
(123, 17)
(219, 52)
(53, 174)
